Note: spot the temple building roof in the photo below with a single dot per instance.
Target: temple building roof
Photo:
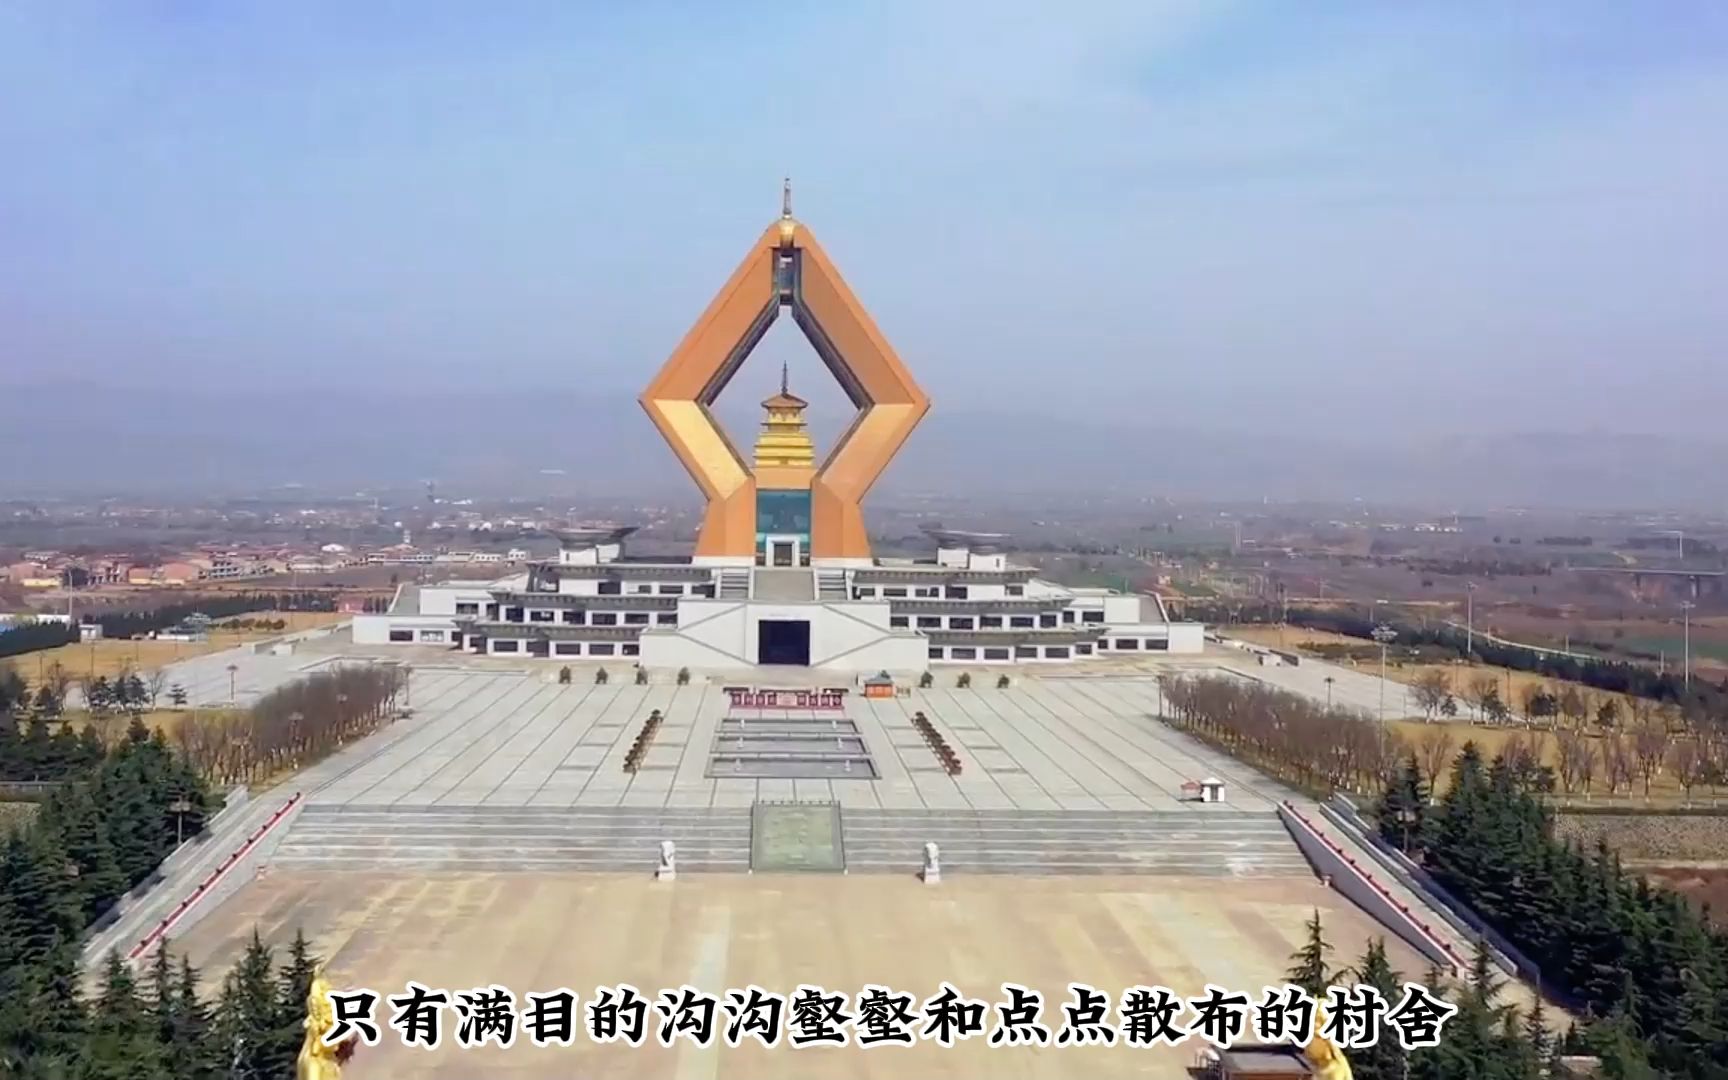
(785, 399)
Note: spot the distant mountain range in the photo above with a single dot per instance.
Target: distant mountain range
(59, 438)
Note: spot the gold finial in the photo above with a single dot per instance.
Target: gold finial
(788, 227)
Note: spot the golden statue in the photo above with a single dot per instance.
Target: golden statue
(1324, 1055)
(318, 1059)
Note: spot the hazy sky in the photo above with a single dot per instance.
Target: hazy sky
(1393, 217)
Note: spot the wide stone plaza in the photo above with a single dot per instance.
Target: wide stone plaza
(537, 932)
(493, 835)
(509, 738)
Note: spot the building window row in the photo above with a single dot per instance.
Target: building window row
(578, 617)
(571, 648)
(1151, 644)
(1002, 653)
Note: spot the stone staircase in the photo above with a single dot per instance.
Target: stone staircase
(734, 584)
(1054, 842)
(625, 839)
(831, 584)
(481, 838)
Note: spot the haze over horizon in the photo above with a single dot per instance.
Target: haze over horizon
(1353, 234)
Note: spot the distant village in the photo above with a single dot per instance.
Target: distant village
(59, 571)
(48, 569)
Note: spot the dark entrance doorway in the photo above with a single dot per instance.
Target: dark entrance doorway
(783, 641)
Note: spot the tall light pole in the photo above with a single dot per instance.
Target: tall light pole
(1469, 619)
(1384, 635)
(1680, 537)
(1686, 607)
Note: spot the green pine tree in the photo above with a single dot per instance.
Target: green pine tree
(191, 1042)
(164, 1003)
(1536, 1034)
(123, 1043)
(1403, 807)
(42, 1016)
(1309, 968)
(1385, 1059)
(1617, 1041)
(39, 877)
(246, 1028)
(83, 830)
(293, 984)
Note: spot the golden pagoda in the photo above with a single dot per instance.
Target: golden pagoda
(784, 442)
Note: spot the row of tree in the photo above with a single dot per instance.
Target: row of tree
(36, 635)
(1633, 957)
(34, 752)
(1293, 737)
(294, 724)
(126, 624)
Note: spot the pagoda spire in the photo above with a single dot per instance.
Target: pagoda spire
(786, 197)
(784, 440)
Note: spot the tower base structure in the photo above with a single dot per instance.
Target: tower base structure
(969, 606)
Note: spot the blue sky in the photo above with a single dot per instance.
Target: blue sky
(1408, 217)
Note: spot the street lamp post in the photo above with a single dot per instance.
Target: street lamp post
(1686, 607)
(1384, 635)
(1329, 681)
(180, 807)
(1469, 619)
(1680, 538)
(232, 669)
(1406, 818)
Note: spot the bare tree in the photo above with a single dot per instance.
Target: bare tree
(1649, 747)
(1640, 711)
(1523, 752)
(1482, 690)
(156, 683)
(1687, 759)
(1618, 762)
(1430, 689)
(1570, 746)
(1574, 705)
(1588, 758)
(58, 679)
(1434, 752)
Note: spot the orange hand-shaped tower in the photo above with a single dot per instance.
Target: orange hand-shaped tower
(776, 507)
